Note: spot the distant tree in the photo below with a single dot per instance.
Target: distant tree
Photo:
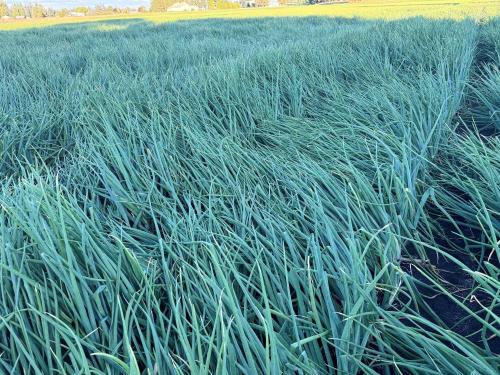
(202, 4)
(17, 10)
(141, 9)
(63, 12)
(37, 11)
(49, 12)
(99, 9)
(103, 10)
(27, 10)
(161, 5)
(221, 4)
(4, 10)
(84, 10)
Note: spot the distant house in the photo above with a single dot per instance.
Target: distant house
(5, 17)
(76, 14)
(182, 7)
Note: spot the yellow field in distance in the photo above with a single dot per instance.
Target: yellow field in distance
(369, 9)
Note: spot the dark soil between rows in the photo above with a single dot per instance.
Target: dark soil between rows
(459, 284)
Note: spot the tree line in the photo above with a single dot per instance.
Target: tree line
(163, 5)
(35, 10)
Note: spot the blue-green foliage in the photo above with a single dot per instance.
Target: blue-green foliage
(228, 196)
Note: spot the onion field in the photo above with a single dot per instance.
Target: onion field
(258, 196)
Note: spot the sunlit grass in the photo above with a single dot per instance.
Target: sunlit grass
(383, 9)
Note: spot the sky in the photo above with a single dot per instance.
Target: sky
(57, 4)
